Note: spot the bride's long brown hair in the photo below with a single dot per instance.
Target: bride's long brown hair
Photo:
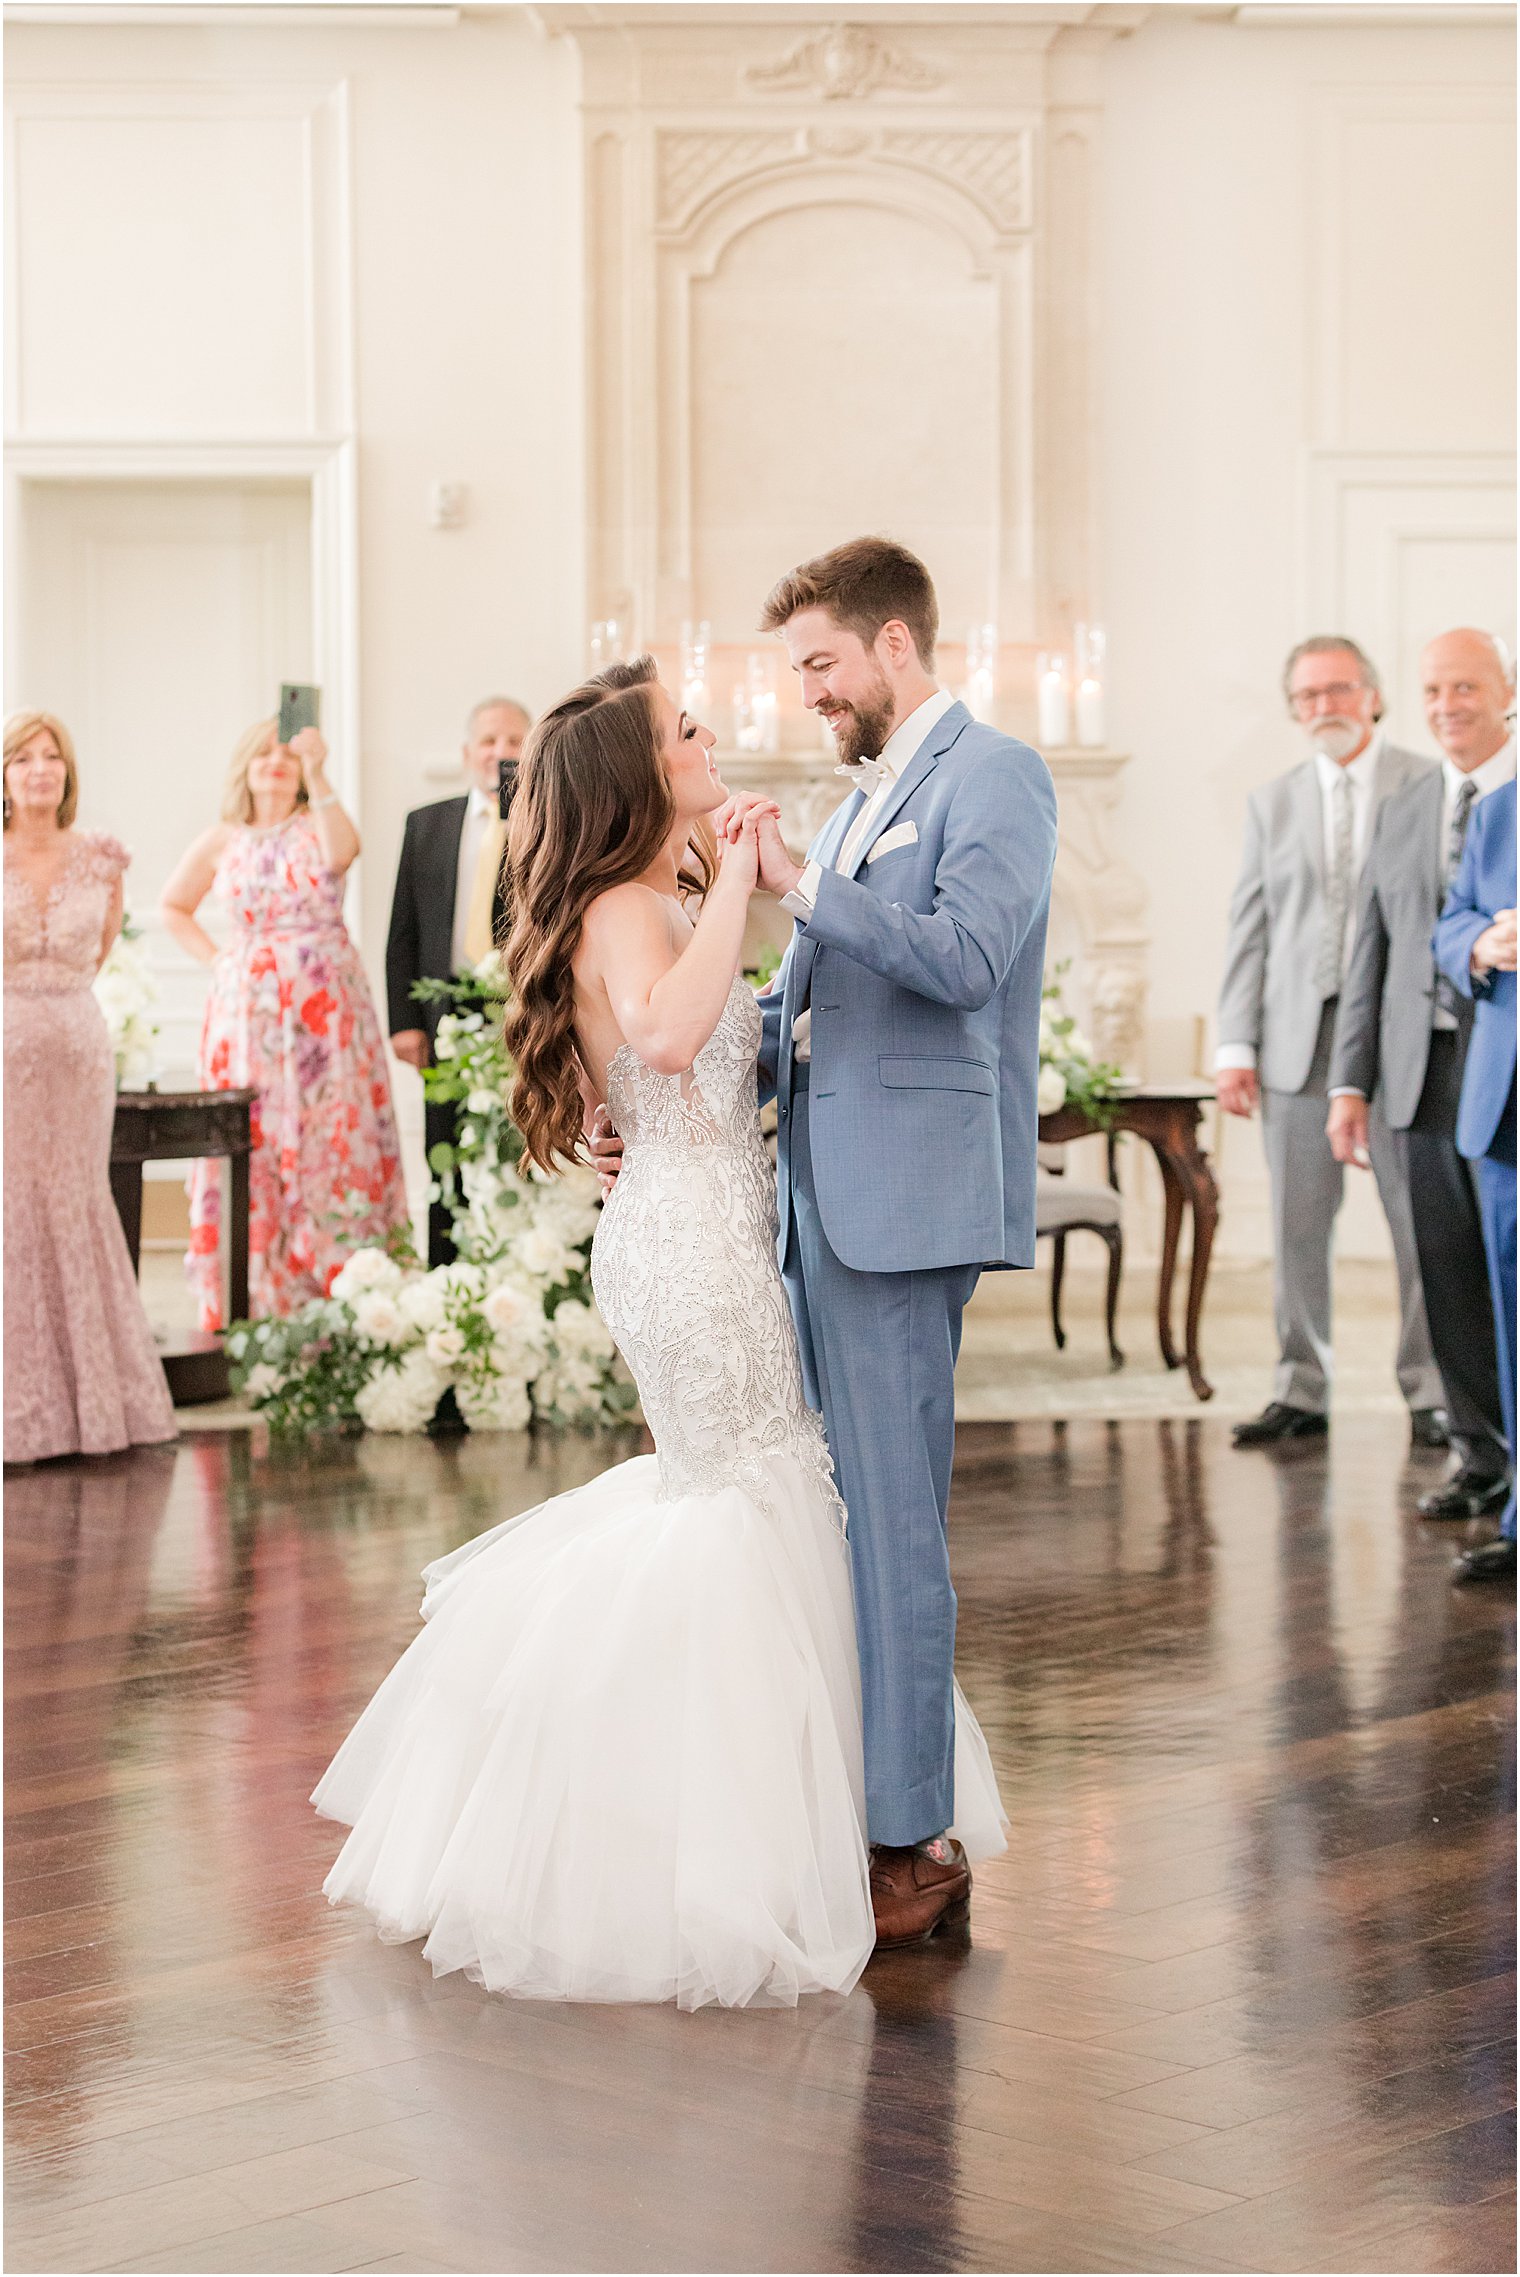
(592, 809)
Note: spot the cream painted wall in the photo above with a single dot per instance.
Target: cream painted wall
(1266, 450)
(463, 181)
(1267, 312)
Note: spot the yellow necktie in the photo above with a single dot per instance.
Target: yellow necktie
(478, 940)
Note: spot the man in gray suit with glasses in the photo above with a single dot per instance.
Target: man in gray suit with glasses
(1402, 1033)
(1307, 834)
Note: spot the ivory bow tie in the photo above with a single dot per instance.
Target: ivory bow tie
(864, 774)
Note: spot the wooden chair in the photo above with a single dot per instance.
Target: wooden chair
(1061, 1208)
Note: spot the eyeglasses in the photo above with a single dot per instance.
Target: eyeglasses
(1338, 695)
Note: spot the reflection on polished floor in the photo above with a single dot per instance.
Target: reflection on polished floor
(1239, 1997)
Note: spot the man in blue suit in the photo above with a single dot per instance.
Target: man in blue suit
(902, 1045)
(1475, 948)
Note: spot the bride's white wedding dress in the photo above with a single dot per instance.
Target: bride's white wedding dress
(622, 1761)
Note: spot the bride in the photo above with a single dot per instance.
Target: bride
(622, 1760)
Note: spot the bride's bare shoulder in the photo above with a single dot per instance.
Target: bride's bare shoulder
(627, 914)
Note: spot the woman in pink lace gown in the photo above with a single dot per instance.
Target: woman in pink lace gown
(81, 1374)
(289, 1015)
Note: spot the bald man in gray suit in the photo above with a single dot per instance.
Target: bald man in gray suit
(1290, 931)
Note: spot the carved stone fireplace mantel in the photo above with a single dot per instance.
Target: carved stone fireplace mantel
(840, 277)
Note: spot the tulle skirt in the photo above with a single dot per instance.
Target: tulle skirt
(622, 1760)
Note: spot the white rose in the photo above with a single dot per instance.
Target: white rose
(366, 1269)
(491, 971)
(544, 1254)
(1078, 1045)
(380, 1319)
(1052, 1092)
(509, 1310)
(262, 1380)
(445, 1346)
(424, 1301)
(576, 1328)
(481, 1102)
(573, 1219)
(401, 1399)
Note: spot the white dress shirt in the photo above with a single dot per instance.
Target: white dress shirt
(903, 744)
(481, 810)
(1361, 774)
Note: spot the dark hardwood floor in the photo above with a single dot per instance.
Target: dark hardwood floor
(1240, 1996)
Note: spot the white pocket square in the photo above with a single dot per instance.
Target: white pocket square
(905, 834)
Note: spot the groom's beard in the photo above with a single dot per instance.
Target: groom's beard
(861, 731)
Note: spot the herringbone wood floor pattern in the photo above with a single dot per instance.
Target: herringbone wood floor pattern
(1239, 1996)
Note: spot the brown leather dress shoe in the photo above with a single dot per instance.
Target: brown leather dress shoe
(918, 1891)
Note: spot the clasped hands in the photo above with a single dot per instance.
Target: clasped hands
(1494, 949)
(752, 812)
(749, 821)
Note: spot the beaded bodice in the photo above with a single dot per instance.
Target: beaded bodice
(684, 1269)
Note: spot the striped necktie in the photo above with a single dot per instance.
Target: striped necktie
(1450, 999)
(1456, 837)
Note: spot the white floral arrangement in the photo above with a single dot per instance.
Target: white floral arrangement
(510, 1327)
(1069, 1075)
(128, 996)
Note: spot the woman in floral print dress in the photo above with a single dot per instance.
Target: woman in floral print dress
(290, 1017)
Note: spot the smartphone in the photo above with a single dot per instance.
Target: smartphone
(299, 707)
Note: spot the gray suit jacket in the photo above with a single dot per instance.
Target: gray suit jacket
(1382, 1028)
(1268, 998)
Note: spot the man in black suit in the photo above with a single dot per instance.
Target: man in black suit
(448, 905)
(1402, 1033)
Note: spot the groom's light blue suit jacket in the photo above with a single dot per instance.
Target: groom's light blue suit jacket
(923, 971)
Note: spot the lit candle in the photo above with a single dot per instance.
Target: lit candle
(1092, 650)
(1054, 703)
(1090, 713)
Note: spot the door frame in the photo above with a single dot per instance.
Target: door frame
(329, 470)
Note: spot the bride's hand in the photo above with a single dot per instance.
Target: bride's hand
(740, 854)
(730, 817)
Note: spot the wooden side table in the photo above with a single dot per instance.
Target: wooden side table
(167, 1126)
(1167, 1116)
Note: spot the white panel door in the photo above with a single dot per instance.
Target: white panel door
(1401, 546)
(158, 619)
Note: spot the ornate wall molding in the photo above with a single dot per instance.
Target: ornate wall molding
(693, 168)
(996, 169)
(844, 64)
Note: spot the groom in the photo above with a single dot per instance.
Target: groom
(902, 1043)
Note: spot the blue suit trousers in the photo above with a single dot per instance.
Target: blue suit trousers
(878, 1358)
(1496, 1203)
